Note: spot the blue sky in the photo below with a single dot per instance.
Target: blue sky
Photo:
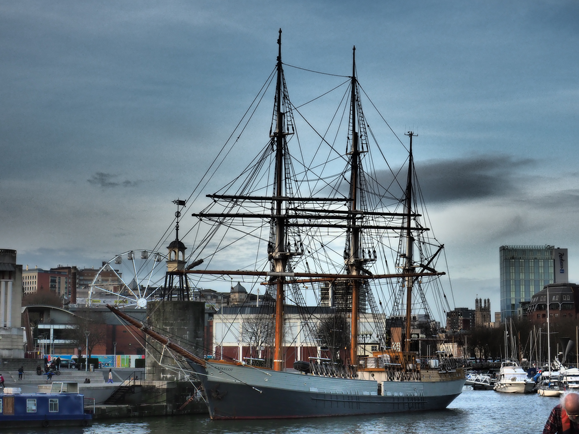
(109, 111)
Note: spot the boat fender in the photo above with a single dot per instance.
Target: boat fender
(44, 423)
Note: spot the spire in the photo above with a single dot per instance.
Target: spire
(176, 258)
(176, 286)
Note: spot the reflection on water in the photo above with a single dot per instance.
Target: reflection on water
(473, 412)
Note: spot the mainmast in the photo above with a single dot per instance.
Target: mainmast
(408, 264)
(354, 253)
(279, 257)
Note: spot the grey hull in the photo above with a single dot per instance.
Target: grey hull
(237, 397)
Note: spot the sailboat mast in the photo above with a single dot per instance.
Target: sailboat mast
(279, 259)
(354, 254)
(408, 267)
(506, 343)
(548, 334)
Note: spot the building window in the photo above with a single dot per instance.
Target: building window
(53, 405)
(31, 406)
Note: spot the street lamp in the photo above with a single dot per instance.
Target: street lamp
(115, 354)
(87, 333)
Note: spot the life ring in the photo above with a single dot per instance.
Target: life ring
(44, 423)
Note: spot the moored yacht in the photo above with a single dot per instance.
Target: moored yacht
(513, 379)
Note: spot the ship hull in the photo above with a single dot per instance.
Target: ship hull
(514, 387)
(241, 392)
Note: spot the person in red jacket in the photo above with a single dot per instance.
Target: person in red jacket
(564, 418)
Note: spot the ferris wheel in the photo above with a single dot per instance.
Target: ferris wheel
(130, 279)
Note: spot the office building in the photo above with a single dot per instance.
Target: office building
(39, 280)
(525, 270)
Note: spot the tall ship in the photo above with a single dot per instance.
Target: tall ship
(316, 226)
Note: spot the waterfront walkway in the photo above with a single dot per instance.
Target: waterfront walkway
(30, 380)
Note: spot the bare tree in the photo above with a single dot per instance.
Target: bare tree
(258, 332)
(46, 298)
(90, 327)
(334, 333)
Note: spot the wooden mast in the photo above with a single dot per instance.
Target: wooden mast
(408, 266)
(354, 254)
(279, 257)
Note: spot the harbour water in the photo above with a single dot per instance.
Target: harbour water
(473, 412)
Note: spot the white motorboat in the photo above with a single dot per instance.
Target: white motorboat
(569, 378)
(513, 379)
(549, 384)
(480, 381)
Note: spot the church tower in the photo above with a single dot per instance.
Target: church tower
(482, 313)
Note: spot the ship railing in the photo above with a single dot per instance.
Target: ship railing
(330, 369)
(449, 364)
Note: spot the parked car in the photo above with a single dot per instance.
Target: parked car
(66, 363)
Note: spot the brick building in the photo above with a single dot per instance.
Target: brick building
(39, 280)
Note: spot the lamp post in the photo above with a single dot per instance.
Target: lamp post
(115, 354)
(87, 333)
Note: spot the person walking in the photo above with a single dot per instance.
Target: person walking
(20, 372)
(1, 381)
(110, 376)
(564, 418)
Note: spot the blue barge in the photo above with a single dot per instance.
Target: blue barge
(29, 410)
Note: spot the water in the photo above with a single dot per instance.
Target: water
(483, 411)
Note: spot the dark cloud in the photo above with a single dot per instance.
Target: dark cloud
(562, 200)
(106, 180)
(468, 178)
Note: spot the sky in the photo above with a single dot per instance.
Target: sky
(111, 110)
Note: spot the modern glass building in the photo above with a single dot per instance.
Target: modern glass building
(525, 270)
